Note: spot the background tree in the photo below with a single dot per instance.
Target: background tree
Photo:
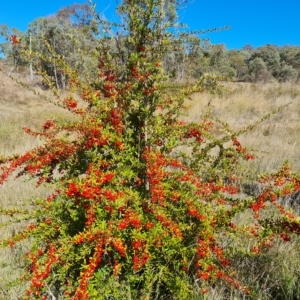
(12, 46)
(287, 74)
(291, 56)
(219, 61)
(288, 55)
(79, 15)
(258, 70)
(248, 48)
(270, 56)
(237, 61)
(70, 34)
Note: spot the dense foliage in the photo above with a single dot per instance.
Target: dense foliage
(142, 200)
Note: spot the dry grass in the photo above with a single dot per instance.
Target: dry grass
(15, 193)
(276, 139)
(273, 141)
(19, 108)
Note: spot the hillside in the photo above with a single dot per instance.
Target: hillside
(20, 107)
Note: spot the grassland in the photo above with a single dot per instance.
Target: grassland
(276, 139)
(273, 275)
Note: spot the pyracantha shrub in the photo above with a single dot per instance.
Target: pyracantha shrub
(142, 199)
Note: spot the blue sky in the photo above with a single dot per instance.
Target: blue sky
(255, 22)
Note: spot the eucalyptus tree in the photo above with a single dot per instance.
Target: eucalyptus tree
(287, 74)
(237, 61)
(13, 42)
(288, 55)
(258, 70)
(69, 34)
(270, 55)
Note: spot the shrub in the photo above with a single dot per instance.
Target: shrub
(142, 200)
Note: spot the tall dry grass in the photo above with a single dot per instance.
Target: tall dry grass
(276, 139)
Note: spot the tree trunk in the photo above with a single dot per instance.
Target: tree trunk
(55, 77)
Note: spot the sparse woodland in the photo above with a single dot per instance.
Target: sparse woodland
(73, 33)
(141, 178)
